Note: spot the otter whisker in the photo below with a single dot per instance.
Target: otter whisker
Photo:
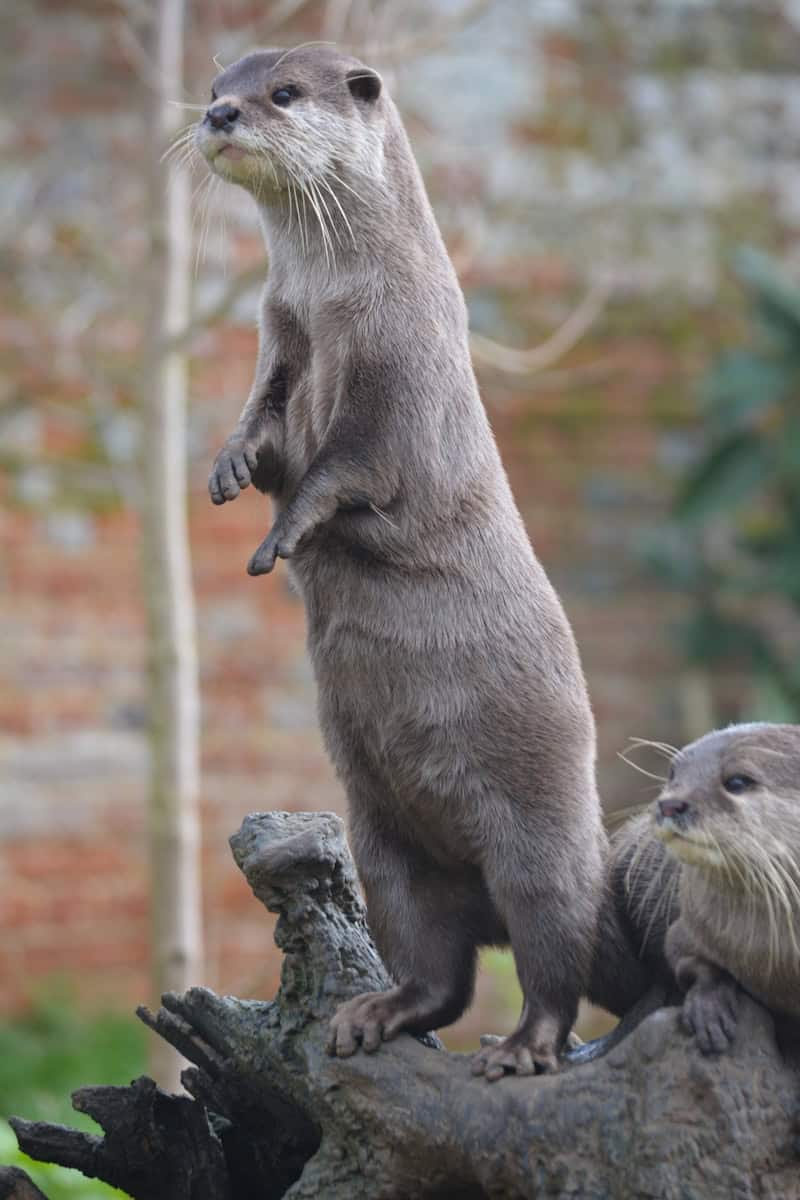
(194, 107)
(641, 770)
(315, 209)
(289, 207)
(223, 211)
(671, 907)
(787, 891)
(314, 188)
(337, 179)
(292, 197)
(184, 138)
(380, 513)
(662, 747)
(664, 901)
(302, 218)
(179, 155)
(324, 183)
(203, 185)
(302, 46)
(722, 858)
(204, 182)
(623, 814)
(184, 161)
(202, 241)
(333, 231)
(631, 873)
(639, 866)
(763, 879)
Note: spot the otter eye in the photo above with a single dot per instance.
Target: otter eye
(736, 784)
(213, 93)
(671, 775)
(284, 96)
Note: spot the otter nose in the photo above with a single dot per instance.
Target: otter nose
(220, 116)
(672, 808)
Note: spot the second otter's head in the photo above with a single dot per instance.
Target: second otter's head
(731, 803)
(294, 119)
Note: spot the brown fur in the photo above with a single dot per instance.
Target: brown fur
(451, 695)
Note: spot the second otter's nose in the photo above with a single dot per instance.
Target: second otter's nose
(221, 116)
(672, 808)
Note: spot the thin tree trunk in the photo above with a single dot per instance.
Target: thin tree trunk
(173, 687)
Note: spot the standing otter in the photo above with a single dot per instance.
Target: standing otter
(451, 695)
(714, 904)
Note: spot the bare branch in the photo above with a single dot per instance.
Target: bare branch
(530, 362)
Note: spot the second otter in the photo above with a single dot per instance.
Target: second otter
(451, 695)
(714, 903)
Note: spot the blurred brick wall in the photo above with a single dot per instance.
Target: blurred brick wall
(591, 449)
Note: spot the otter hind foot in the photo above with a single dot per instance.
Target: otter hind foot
(372, 1018)
(710, 1012)
(528, 1051)
(280, 542)
(263, 560)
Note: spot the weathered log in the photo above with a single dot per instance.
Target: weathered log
(651, 1119)
(15, 1184)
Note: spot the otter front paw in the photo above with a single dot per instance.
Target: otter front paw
(710, 1012)
(523, 1053)
(232, 471)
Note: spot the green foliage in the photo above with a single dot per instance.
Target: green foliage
(44, 1056)
(735, 528)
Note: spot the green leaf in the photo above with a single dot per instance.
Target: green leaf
(709, 636)
(744, 385)
(726, 479)
(674, 557)
(777, 295)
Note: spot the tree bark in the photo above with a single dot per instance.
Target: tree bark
(274, 1116)
(173, 704)
(16, 1185)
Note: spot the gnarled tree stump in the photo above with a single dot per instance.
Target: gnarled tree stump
(270, 1114)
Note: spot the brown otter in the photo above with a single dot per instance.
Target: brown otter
(451, 695)
(714, 904)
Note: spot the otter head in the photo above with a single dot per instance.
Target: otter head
(731, 805)
(289, 121)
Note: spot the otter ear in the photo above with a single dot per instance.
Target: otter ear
(364, 84)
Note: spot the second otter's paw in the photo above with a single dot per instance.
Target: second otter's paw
(232, 471)
(710, 1012)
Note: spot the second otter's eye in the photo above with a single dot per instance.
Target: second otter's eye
(284, 96)
(736, 784)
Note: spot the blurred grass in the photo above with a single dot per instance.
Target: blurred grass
(44, 1056)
